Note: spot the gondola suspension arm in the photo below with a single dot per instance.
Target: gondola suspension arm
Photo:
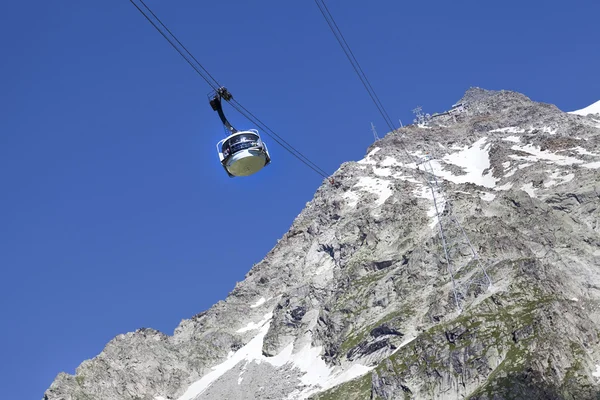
(215, 103)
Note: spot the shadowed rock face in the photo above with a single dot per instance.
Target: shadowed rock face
(356, 301)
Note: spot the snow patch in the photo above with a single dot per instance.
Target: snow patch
(407, 178)
(537, 154)
(407, 341)
(594, 165)
(529, 189)
(317, 375)
(260, 302)
(473, 160)
(584, 152)
(254, 326)
(390, 162)
(597, 373)
(591, 109)
(546, 129)
(488, 196)
(354, 371)
(308, 360)
(367, 159)
(240, 377)
(382, 171)
(515, 139)
(506, 186)
(574, 299)
(251, 351)
(330, 381)
(424, 192)
(510, 129)
(506, 164)
(556, 179)
(352, 198)
(380, 187)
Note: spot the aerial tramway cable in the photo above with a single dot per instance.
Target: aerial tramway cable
(350, 55)
(214, 84)
(359, 71)
(340, 38)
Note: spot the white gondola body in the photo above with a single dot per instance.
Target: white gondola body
(248, 160)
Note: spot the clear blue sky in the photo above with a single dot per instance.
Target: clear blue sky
(114, 211)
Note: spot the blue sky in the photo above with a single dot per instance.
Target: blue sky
(115, 212)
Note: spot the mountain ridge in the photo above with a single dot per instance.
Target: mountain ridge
(356, 298)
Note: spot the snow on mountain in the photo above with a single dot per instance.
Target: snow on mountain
(317, 375)
(591, 109)
(359, 299)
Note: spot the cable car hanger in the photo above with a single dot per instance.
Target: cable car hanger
(248, 160)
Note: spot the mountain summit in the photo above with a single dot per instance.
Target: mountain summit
(457, 260)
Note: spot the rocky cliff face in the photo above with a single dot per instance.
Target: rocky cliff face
(361, 299)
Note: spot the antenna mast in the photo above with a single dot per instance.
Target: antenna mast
(420, 120)
(375, 136)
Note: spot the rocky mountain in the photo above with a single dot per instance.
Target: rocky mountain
(460, 259)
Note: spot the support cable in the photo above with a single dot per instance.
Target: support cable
(215, 85)
(433, 185)
(350, 55)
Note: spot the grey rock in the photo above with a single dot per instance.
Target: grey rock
(355, 301)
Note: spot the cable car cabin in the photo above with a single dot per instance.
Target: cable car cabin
(243, 153)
